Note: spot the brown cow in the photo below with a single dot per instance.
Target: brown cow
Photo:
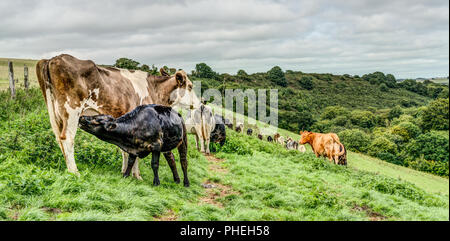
(324, 144)
(73, 87)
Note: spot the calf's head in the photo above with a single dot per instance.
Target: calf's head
(101, 126)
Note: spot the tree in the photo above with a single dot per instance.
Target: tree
(125, 63)
(436, 115)
(355, 140)
(364, 119)
(242, 72)
(433, 146)
(204, 71)
(390, 81)
(306, 82)
(332, 112)
(145, 68)
(406, 130)
(383, 87)
(154, 70)
(276, 75)
(395, 113)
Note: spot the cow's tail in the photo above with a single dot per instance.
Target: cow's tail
(342, 149)
(341, 146)
(43, 76)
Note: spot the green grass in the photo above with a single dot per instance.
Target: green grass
(18, 65)
(268, 182)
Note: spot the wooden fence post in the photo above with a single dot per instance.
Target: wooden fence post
(11, 80)
(25, 77)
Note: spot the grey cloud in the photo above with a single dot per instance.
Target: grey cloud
(406, 38)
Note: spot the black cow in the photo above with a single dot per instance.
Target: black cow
(260, 136)
(269, 139)
(249, 131)
(218, 135)
(224, 120)
(144, 130)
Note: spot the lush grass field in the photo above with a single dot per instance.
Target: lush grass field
(252, 180)
(18, 65)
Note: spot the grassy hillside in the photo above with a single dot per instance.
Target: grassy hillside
(251, 180)
(18, 65)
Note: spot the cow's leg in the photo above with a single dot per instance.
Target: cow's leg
(131, 161)
(196, 142)
(182, 150)
(124, 161)
(171, 161)
(198, 130)
(135, 170)
(67, 138)
(155, 166)
(208, 138)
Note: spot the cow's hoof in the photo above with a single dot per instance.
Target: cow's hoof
(177, 180)
(156, 183)
(76, 173)
(186, 184)
(139, 178)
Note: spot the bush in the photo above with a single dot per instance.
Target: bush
(365, 119)
(406, 130)
(382, 145)
(395, 113)
(435, 116)
(383, 87)
(332, 112)
(306, 82)
(355, 140)
(341, 121)
(438, 168)
(433, 145)
(322, 126)
(126, 63)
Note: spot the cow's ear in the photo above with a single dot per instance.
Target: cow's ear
(163, 72)
(180, 78)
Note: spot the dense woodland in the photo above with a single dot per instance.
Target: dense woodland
(405, 123)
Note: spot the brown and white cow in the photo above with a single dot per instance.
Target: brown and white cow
(73, 87)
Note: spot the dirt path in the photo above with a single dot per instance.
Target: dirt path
(214, 190)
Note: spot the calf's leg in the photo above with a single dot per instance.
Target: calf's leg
(171, 161)
(135, 168)
(155, 166)
(131, 160)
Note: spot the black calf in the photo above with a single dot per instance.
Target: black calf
(147, 129)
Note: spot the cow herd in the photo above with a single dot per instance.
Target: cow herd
(132, 109)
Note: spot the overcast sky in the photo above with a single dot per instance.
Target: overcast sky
(407, 38)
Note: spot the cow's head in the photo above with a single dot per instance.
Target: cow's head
(305, 137)
(102, 126)
(183, 94)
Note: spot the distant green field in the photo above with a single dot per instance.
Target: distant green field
(18, 65)
(441, 81)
